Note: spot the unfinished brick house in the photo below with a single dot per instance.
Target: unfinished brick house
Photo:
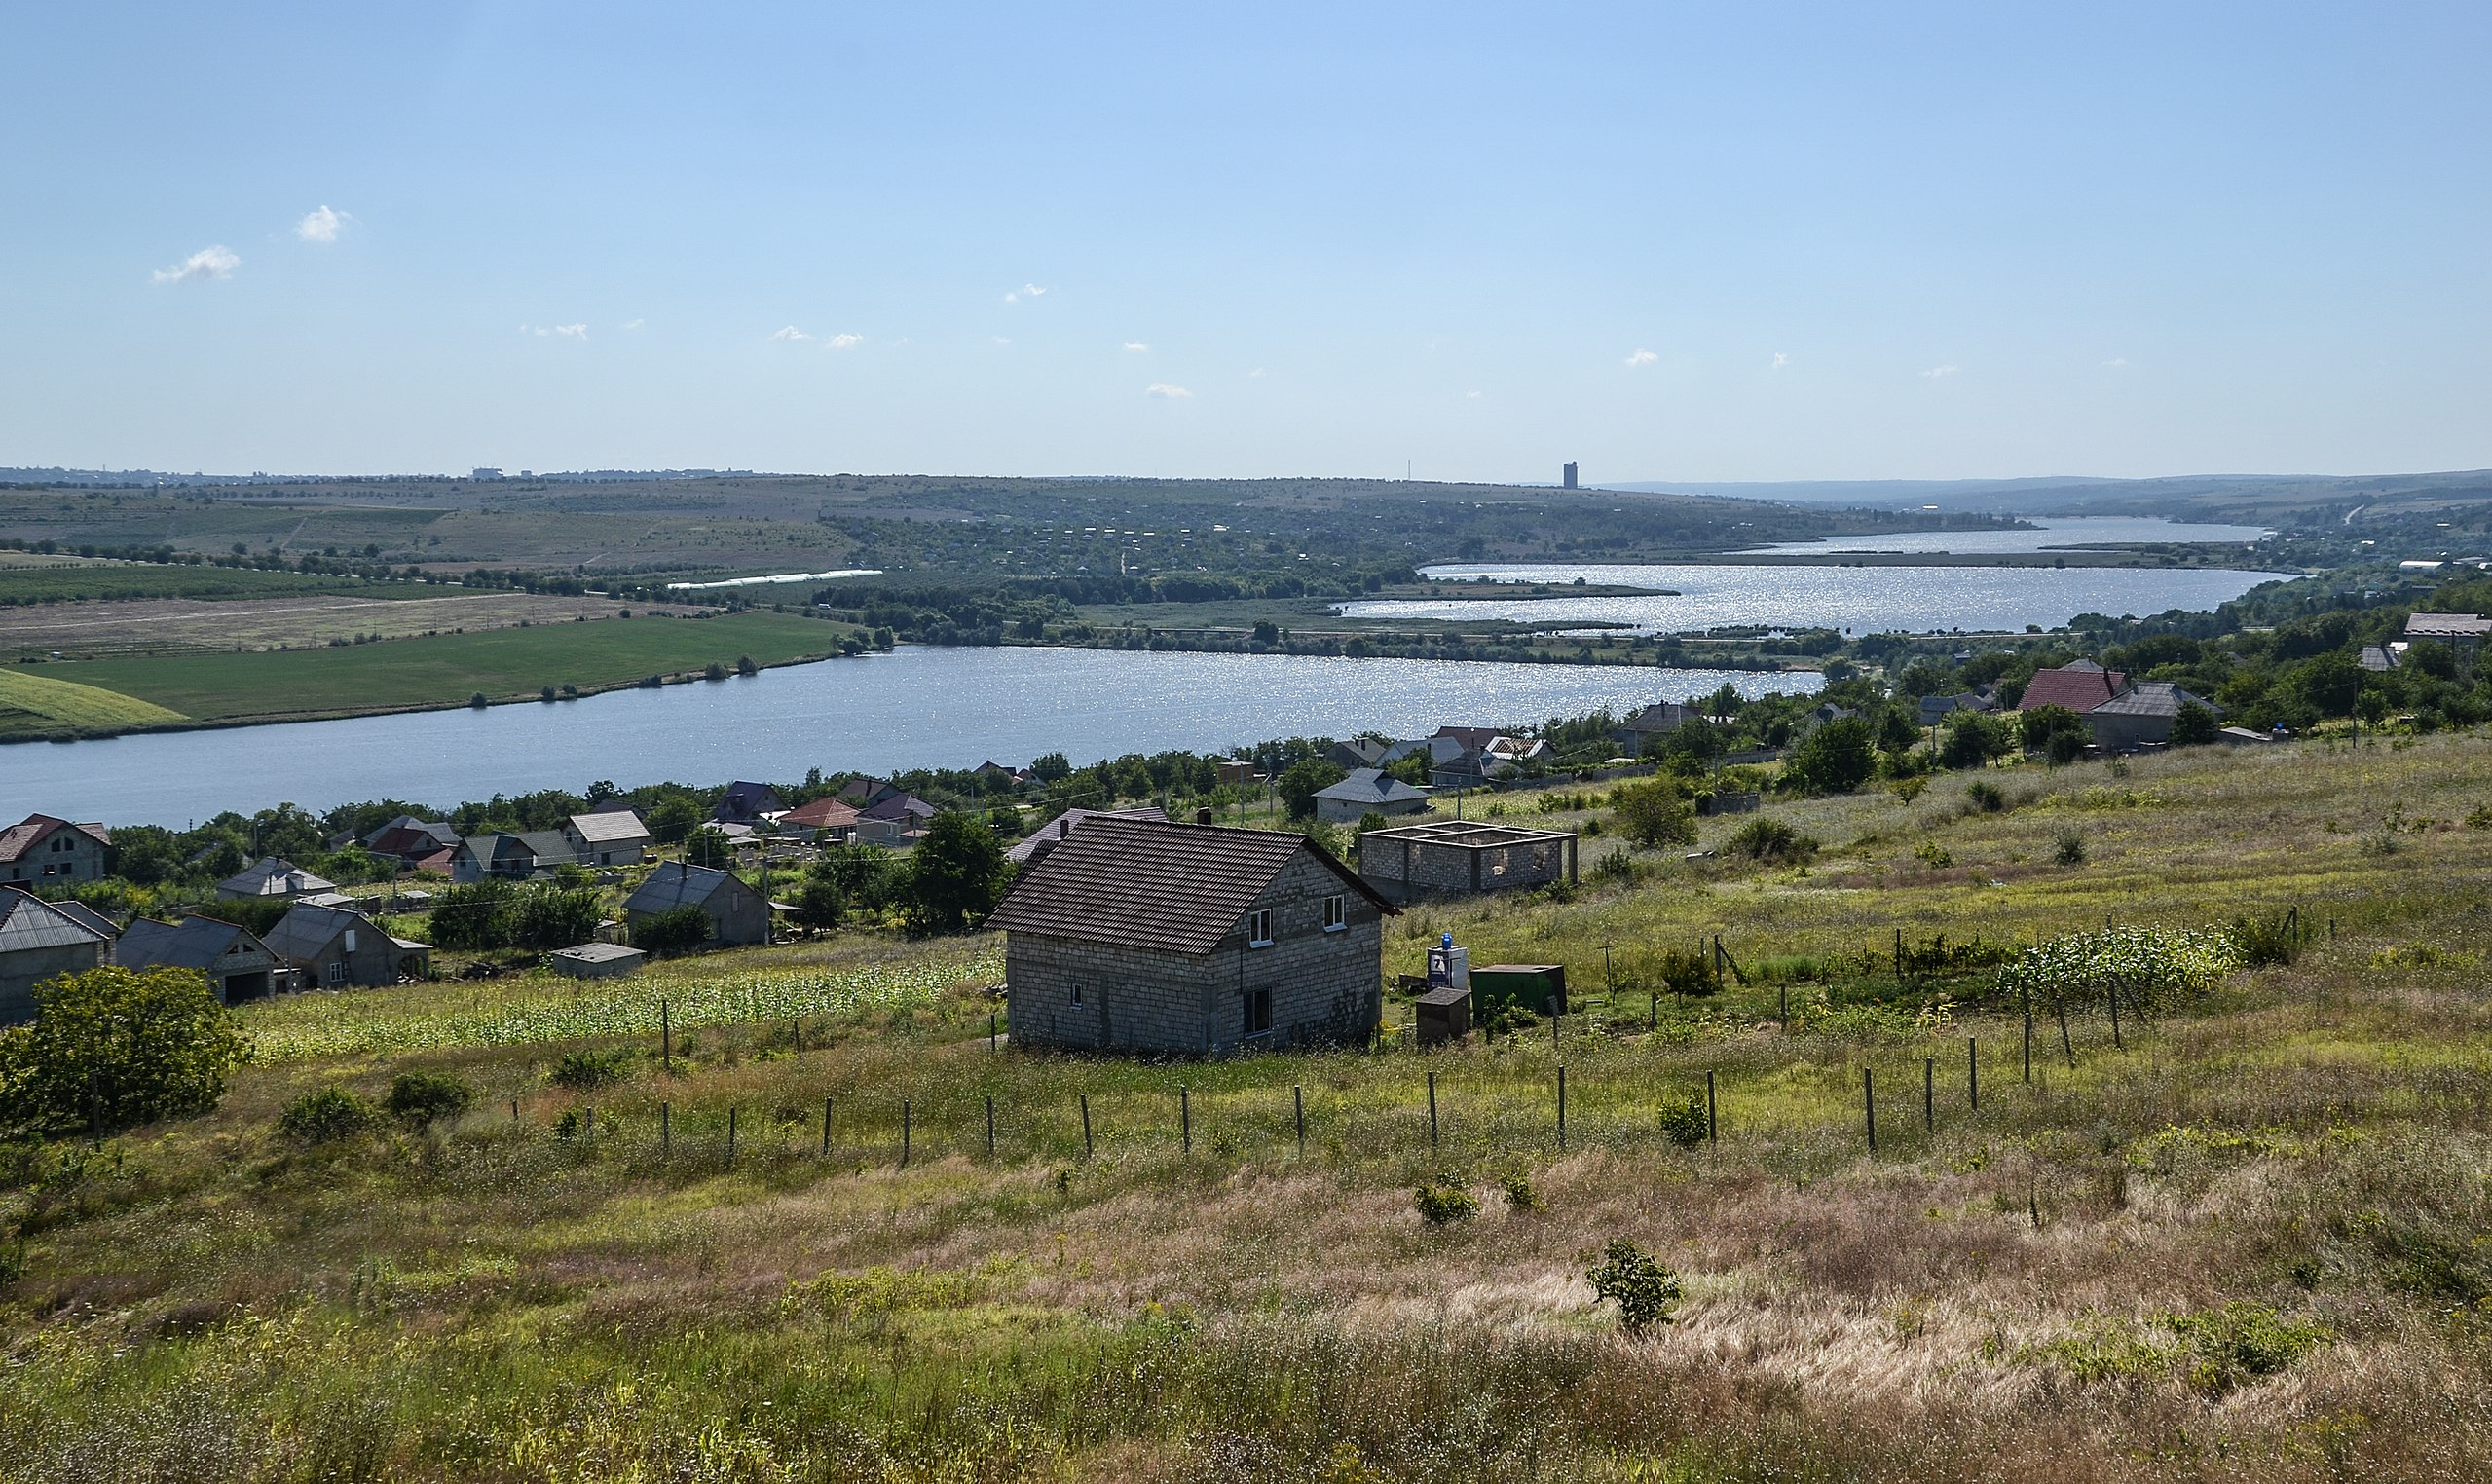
(1146, 936)
(1453, 858)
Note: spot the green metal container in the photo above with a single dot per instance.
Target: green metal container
(1528, 985)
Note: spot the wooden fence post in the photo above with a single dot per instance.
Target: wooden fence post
(795, 1033)
(904, 1132)
(1561, 1105)
(995, 1030)
(665, 1129)
(2059, 1008)
(1086, 1126)
(1869, 1107)
(1929, 1094)
(665, 1039)
(1973, 1072)
(991, 1126)
(1185, 1117)
(826, 1128)
(730, 1135)
(2026, 997)
(1712, 1127)
(1298, 1096)
(2116, 1043)
(1431, 1110)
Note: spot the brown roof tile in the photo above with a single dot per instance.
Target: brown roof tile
(1149, 884)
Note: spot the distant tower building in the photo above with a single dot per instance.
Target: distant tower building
(1570, 474)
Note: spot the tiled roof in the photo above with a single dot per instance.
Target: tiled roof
(87, 917)
(2080, 687)
(27, 921)
(272, 877)
(34, 828)
(306, 930)
(821, 814)
(1148, 884)
(2154, 698)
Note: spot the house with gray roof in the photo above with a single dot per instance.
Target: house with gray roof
(2142, 715)
(38, 941)
(511, 857)
(238, 965)
(737, 913)
(269, 878)
(1050, 835)
(1144, 935)
(334, 948)
(607, 837)
(1367, 791)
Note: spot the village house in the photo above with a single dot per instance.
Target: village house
(824, 819)
(40, 850)
(38, 941)
(511, 857)
(607, 837)
(239, 966)
(737, 913)
(1648, 726)
(2079, 686)
(1144, 935)
(333, 948)
(1357, 752)
(747, 804)
(1050, 835)
(1935, 709)
(411, 840)
(1367, 791)
(994, 774)
(272, 877)
(2142, 715)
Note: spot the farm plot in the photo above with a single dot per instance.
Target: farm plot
(88, 630)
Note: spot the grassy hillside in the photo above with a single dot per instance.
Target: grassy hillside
(2251, 1240)
(445, 669)
(37, 705)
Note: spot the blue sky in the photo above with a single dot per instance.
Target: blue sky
(1720, 241)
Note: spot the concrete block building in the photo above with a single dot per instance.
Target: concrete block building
(1453, 858)
(1144, 935)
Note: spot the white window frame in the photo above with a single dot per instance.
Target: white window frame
(334, 973)
(1336, 912)
(1258, 928)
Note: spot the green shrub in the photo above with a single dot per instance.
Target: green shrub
(584, 1071)
(1618, 866)
(677, 930)
(325, 1115)
(421, 1098)
(1770, 841)
(2262, 941)
(1685, 1122)
(2070, 850)
(1688, 972)
(1520, 1195)
(1655, 812)
(1442, 1202)
(115, 1047)
(1644, 1290)
(1934, 855)
(1985, 796)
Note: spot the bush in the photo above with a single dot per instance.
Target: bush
(677, 930)
(585, 1071)
(325, 1115)
(1838, 757)
(1769, 839)
(422, 1098)
(1618, 866)
(1302, 781)
(2262, 941)
(1985, 798)
(1684, 1124)
(2194, 726)
(474, 918)
(1520, 1195)
(1644, 1290)
(1442, 1202)
(2070, 850)
(115, 1047)
(1973, 739)
(955, 876)
(1690, 972)
(1655, 812)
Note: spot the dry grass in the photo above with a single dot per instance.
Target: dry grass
(85, 630)
(2024, 1288)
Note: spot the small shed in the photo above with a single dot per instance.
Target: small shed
(1458, 858)
(1444, 1014)
(1530, 986)
(595, 960)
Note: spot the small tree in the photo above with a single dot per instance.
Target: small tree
(113, 1047)
(1837, 758)
(550, 916)
(677, 930)
(1645, 1290)
(956, 875)
(421, 1098)
(324, 1115)
(1302, 781)
(2194, 726)
(1973, 739)
(709, 846)
(674, 818)
(476, 917)
(2042, 729)
(1654, 812)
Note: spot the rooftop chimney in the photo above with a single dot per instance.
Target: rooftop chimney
(1202, 816)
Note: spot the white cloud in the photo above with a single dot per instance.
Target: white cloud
(1940, 373)
(1136, 345)
(1173, 392)
(322, 225)
(1781, 360)
(1471, 397)
(790, 333)
(547, 331)
(1003, 340)
(1258, 373)
(206, 263)
(632, 324)
(1027, 291)
(2116, 363)
(842, 341)
(1642, 357)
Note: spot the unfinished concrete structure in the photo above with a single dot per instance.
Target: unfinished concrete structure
(1455, 858)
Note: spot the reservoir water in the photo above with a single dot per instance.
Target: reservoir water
(917, 707)
(1863, 600)
(2051, 532)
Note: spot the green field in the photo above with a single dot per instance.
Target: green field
(2249, 1239)
(446, 669)
(38, 705)
(88, 581)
